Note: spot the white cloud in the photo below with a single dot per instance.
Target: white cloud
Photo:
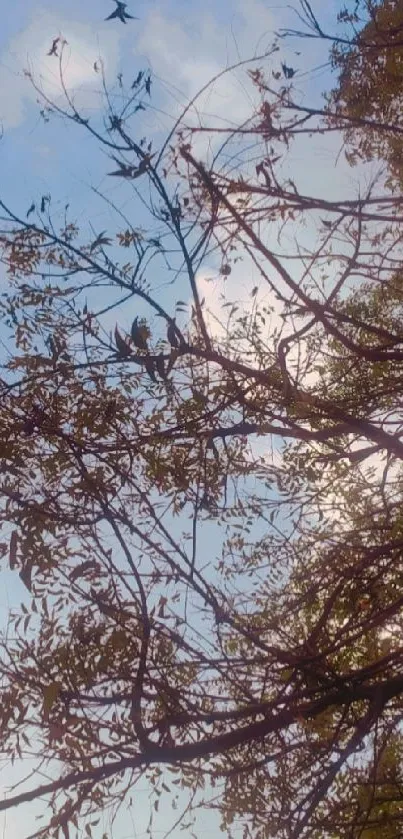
(220, 291)
(28, 51)
(213, 290)
(185, 62)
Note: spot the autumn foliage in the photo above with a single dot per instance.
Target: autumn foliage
(206, 512)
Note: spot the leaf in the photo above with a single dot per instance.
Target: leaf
(149, 366)
(81, 570)
(289, 72)
(140, 334)
(172, 359)
(132, 172)
(100, 240)
(51, 694)
(56, 732)
(121, 344)
(25, 576)
(172, 334)
(13, 550)
(124, 170)
(161, 607)
(212, 446)
(203, 399)
(44, 200)
(160, 366)
(138, 79)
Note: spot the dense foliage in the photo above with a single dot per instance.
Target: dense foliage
(206, 512)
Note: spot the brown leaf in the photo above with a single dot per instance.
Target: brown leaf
(121, 344)
(56, 732)
(25, 576)
(13, 549)
(82, 569)
(50, 696)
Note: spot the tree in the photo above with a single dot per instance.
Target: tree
(370, 84)
(272, 669)
(367, 57)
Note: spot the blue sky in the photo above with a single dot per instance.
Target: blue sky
(184, 43)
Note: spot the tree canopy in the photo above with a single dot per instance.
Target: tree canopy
(369, 88)
(205, 508)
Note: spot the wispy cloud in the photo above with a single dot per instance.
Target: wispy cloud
(187, 55)
(28, 51)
